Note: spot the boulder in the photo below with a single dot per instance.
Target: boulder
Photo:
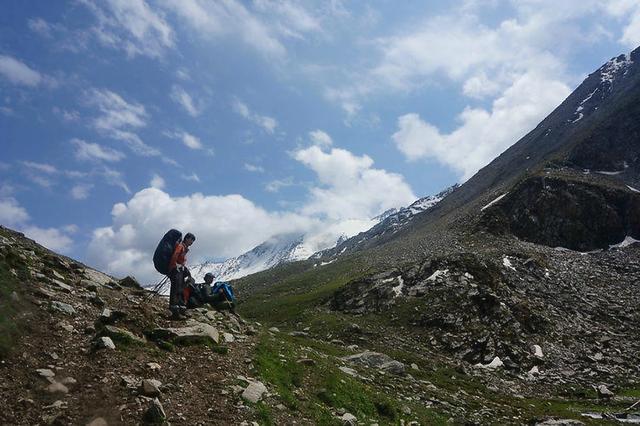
(104, 343)
(377, 360)
(150, 387)
(64, 308)
(195, 333)
(130, 282)
(120, 335)
(57, 387)
(155, 413)
(253, 393)
(349, 419)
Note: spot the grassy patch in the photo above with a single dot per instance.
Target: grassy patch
(276, 365)
(10, 326)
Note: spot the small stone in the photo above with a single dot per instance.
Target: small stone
(67, 381)
(228, 338)
(105, 343)
(534, 371)
(14, 297)
(151, 387)
(306, 361)
(349, 371)
(253, 393)
(99, 421)
(274, 330)
(56, 405)
(97, 301)
(155, 413)
(57, 387)
(538, 351)
(153, 366)
(604, 392)
(406, 410)
(414, 366)
(349, 419)
(281, 407)
(45, 372)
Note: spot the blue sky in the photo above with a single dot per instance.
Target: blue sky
(240, 120)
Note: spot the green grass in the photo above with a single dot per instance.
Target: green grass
(10, 325)
(318, 390)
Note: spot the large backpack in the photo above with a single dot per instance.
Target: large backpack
(164, 251)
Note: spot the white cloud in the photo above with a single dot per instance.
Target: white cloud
(14, 215)
(11, 213)
(114, 178)
(482, 134)
(81, 191)
(228, 18)
(278, 184)
(125, 247)
(192, 177)
(95, 152)
(19, 73)
(41, 167)
(269, 124)
(157, 182)
(253, 168)
(350, 186)
(320, 138)
(40, 26)
(52, 238)
(132, 26)
(119, 118)
(184, 99)
(191, 141)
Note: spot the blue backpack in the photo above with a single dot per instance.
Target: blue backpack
(226, 289)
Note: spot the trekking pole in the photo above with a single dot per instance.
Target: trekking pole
(156, 288)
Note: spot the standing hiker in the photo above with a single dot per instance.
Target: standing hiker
(177, 273)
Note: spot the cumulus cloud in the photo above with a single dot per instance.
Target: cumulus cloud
(277, 184)
(185, 100)
(350, 186)
(19, 73)
(14, 215)
(52, 238)
(269, 124)
(11, 213)
(131, 26)
(224, 226)
(482, 134)
(95, 152)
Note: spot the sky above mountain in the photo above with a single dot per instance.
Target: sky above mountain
(240, 120)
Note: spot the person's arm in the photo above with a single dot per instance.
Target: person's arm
(174, 258)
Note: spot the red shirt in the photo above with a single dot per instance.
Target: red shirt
(179, 256)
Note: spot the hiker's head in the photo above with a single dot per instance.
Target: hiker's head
(189, 239)
(208, 278)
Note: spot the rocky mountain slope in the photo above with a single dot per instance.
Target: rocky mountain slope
(527, 275)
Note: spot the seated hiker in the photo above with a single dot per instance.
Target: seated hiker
(221, 296)
(193, 293)
(177, 273)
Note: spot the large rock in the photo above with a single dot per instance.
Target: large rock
(377, 360)
(155, 414)
(62, 307)
(104, 343)
(130, 282)
(194, 333)
(121, 335)
(253, 393)
(151, 387)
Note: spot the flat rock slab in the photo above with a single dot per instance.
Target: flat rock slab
(377, 360)
(194, 333)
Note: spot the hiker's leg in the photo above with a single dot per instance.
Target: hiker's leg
(175, 294)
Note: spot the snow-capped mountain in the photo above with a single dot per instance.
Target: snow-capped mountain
(388, 222)
(274, 251)
(289, 248)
